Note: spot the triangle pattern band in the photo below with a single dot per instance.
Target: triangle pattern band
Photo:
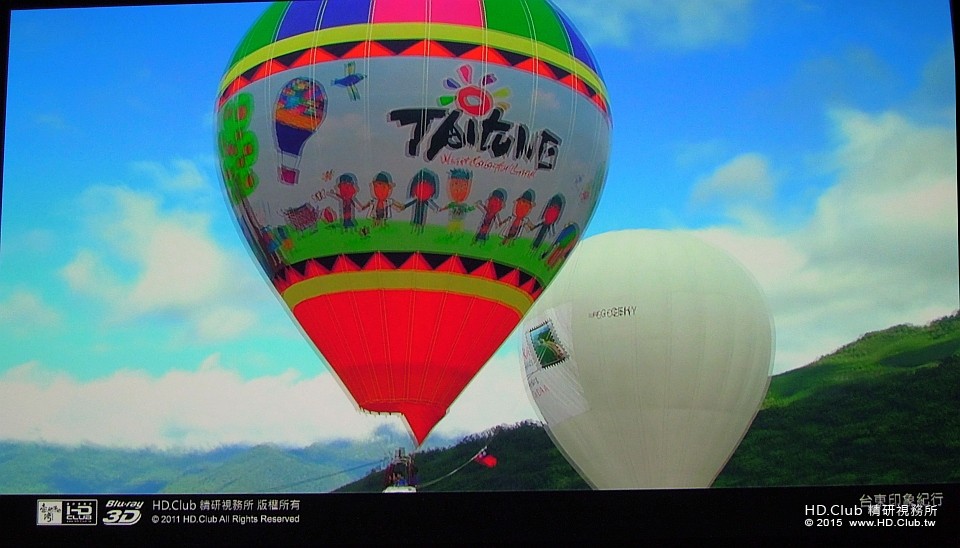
(427, 262)
(387, 48)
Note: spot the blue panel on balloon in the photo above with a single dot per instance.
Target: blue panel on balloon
(580, 50)
(338, 13)
(301, 17)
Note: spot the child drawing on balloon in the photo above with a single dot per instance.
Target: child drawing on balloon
(491, 212)
(548, 218)
(562, 245)
(272, 243)
(381, 188)
(458, 186)
(423, 187)
(521, 209)
(346, 191)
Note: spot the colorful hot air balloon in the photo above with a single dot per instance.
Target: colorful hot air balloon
(648, 358)
(476, 104)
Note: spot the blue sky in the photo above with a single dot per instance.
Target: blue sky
(813, 140)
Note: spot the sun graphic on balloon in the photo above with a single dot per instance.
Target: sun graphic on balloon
(474, 99)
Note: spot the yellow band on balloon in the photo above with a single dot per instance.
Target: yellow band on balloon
(415, 280)
(407, 31)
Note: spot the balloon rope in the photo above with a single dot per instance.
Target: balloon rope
(454, 471)
(308, 480)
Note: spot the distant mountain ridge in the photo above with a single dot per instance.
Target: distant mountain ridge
(882, 409)
(43, 468)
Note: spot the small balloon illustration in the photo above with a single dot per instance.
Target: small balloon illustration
(300, 109)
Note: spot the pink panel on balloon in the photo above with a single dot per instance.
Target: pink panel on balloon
(398, 11)
(456, 12)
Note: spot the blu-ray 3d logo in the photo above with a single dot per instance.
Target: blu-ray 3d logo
(476, 122)
(123, 512)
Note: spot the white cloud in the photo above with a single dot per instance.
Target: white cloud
(896, 197)
(81, 272)
(686, 25)
(225, 323)
(24, 312)
(495, 396)
(86, 274)
(150, 261)
(204, 408)
(213, 406)
(880, 248)
(184, 175)
(182, 268)
(747, 176)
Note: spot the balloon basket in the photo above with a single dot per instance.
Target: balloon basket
(288, 175)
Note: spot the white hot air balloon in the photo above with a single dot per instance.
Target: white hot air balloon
(648, 358)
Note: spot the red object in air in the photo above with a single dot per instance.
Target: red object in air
(486, 459)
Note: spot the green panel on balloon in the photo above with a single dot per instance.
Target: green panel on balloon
(263, 32)
(532, 19)
(430, 163)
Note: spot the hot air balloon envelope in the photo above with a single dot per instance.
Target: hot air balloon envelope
(648, 358)
(419, 134)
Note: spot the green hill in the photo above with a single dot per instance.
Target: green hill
(883, 409)
(888, 353)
